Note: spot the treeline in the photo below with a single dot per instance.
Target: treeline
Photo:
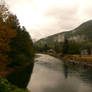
(16, 46)
(65, 47)
(71, 47)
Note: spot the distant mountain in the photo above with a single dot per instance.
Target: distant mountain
(79, 34)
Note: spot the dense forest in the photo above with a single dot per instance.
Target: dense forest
(16, 47)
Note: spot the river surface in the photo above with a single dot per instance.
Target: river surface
(53, 75)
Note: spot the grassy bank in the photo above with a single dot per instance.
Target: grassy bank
(84, 60)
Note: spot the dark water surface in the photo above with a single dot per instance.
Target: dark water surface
(53, 75)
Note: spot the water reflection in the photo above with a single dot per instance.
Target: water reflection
(52, 75)
(65, 70)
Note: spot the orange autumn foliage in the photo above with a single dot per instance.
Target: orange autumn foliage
(8, 22)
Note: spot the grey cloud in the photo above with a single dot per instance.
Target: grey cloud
(86, 9)
(62, 10)
(64, 17)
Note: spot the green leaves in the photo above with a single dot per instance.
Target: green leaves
(7, 87)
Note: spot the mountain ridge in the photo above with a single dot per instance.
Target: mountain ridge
(80, 34)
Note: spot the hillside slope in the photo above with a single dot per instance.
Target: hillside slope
(79, 34)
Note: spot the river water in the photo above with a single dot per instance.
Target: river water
(53, 75)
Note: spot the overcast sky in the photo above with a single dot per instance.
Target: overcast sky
(47, 17)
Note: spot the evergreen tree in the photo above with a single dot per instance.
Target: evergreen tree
(65, 46)
(22, 48)
(45, 48)
(74, 48)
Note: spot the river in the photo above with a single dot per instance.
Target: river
(53, 75)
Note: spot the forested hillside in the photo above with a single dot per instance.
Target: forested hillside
(83, 32)
(80, 36)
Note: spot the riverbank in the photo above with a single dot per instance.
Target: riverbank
(21, 76)
(8, 70)
(18, 76)
(78, 59)
(16, 79)
(83, 60)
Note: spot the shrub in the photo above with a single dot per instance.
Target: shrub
(5, 86)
